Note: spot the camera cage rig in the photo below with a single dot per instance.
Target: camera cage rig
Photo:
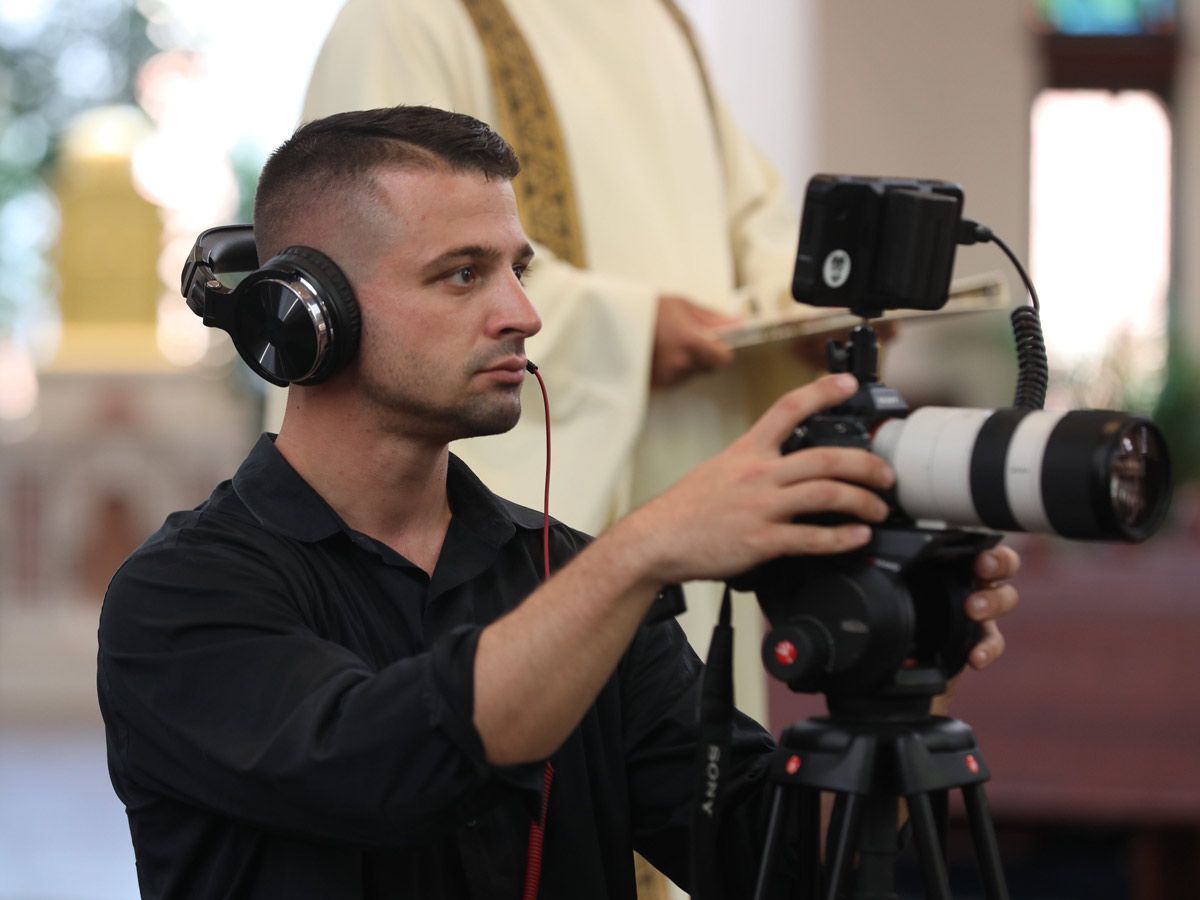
(882, 629)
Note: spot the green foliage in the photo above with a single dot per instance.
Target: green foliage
(1128, 375)
(1177, 412)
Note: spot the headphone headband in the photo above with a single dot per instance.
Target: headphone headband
(226, 248)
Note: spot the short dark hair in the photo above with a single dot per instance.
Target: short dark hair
(329, 156)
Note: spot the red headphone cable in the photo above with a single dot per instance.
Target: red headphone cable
(537, 829)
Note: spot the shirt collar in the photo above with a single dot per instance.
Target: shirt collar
(282, 501)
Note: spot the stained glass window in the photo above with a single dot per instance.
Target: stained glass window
(1114, 17)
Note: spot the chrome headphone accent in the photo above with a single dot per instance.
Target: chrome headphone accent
(294, 318)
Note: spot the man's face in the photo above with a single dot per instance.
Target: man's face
(445, 316)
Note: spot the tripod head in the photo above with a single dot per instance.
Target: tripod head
(886, 622)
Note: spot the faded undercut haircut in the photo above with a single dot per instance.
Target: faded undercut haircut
(336, 158)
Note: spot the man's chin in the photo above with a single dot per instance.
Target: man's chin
(494, 421)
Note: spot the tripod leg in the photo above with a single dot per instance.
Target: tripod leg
(940, 801)
(839, 848)
(775, 829)
(986, 849)
(929, 847)
(810, 843)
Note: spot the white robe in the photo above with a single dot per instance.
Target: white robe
(670, 201)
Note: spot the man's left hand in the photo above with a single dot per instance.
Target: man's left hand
(994, 597)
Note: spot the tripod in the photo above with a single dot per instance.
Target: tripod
(870, 753)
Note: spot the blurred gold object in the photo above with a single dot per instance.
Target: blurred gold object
(109, 242)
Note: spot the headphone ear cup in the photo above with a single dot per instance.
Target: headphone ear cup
(295, 319)
(334, 288)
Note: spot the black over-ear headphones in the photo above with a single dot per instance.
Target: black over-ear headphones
(294, 320)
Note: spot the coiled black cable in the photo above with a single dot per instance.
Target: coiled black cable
(1033, 369)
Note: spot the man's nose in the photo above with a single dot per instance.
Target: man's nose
(516, 312)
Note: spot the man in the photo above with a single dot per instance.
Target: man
(342, 675)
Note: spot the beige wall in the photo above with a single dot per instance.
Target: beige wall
(935, 88)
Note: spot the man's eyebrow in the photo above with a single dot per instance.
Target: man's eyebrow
(470, 252)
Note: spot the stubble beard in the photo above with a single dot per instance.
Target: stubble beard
(476, 415)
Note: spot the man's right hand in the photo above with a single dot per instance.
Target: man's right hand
(685, 341)
(737, 509)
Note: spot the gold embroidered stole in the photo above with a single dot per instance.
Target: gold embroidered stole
(527, 119)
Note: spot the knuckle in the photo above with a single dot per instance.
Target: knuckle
(1011, 598)
(996, 643)
(825, 541)
(823, 458)
(796, 404)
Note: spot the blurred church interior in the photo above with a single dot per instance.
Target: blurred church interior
(126, 128)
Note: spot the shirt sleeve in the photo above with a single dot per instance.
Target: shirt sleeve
(218, 691)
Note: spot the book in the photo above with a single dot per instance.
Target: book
(987, 292)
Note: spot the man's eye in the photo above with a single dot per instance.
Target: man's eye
(521, 271)
(464, 276)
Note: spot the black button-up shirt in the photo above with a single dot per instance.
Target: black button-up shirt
(288, 706)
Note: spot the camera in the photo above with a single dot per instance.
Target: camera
(888, 620)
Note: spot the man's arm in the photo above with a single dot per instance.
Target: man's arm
(539, 668)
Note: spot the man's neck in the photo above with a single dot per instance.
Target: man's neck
(391, 489)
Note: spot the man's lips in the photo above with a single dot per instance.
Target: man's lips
(510, 367)
(515, 364)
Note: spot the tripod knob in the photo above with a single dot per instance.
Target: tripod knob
(798, 652)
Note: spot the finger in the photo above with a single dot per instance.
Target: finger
(831, 496)
(997, 564)
(989, 648)
(795, 406)
(992, 602)
(712, 319)
(845, 463)
(820, 540)
(670, 368)
(710, 352)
